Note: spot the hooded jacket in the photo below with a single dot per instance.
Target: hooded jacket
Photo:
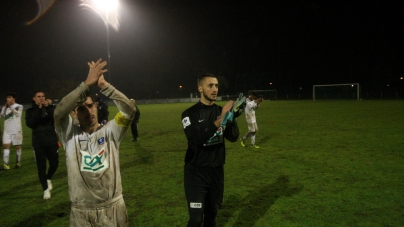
(41, 121)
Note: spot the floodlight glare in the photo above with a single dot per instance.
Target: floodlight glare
(108, 10)
(106, 5)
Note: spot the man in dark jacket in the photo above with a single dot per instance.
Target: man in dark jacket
(134, 125)
(44, 139)
(103, 112)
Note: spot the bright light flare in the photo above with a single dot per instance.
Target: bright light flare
(108, 10)
(105, 5)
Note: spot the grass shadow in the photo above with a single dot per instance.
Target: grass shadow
(59, 211)
(140, 156)
(253, 207)
(33, 183)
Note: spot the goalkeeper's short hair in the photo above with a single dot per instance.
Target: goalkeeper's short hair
(203, 76)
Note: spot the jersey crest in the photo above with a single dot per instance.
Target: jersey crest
(186, 122)
(101, 141)
(95, 163)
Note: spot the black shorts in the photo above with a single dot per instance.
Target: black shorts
(204, 188)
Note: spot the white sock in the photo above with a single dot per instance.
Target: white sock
(6, 156)
(253, 139)
(19, 152)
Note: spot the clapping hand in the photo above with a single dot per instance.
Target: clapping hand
(96, 70)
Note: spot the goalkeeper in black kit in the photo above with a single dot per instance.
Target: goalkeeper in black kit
(206, 125)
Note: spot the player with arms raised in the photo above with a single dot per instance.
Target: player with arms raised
(92, 155)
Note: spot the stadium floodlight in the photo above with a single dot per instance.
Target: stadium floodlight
(338, 89)
(108, 10)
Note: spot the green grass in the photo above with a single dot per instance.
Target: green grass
(323, 163)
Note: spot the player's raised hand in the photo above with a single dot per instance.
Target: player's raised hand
(96, 69)
(102, 83)
(45, 103)
(226, 108)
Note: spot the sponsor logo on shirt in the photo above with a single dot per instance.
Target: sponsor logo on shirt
(93, 163)
(9, 116)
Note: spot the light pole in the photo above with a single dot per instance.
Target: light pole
(108, 11)
(270, 84)
(179, 97)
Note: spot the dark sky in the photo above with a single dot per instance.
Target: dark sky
(162, 44)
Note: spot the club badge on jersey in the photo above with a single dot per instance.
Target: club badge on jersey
(186, 122)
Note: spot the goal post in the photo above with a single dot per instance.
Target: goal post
(266, 94)
(336, 91)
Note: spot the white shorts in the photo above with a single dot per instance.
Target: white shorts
(252, 127)
(15, 139)
(110, 213)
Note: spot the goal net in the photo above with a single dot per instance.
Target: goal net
(266, 94)
(336, 91)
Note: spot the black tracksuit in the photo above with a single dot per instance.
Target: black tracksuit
(44, 140)
(103, 112)
(134, 124)
(204, 160)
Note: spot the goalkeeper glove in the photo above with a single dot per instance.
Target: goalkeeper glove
(228, 117)
(236, 111)
(239, 105)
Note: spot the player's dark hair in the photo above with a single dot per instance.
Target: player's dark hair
(12, 94)
(92, 99)
(203, 76)
(36, 92)
(254, 94)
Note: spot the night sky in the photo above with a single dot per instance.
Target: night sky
(162, 44)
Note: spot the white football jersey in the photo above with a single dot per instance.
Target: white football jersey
(250, 108)
(93, 162)
(12, 118)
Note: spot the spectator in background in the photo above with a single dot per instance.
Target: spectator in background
(102, 111)
(44, 139)
(11, 112)
(134, 125)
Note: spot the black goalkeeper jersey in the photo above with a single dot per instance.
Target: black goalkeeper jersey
(206, 141)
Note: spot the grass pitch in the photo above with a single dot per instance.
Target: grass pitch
(323, 163)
